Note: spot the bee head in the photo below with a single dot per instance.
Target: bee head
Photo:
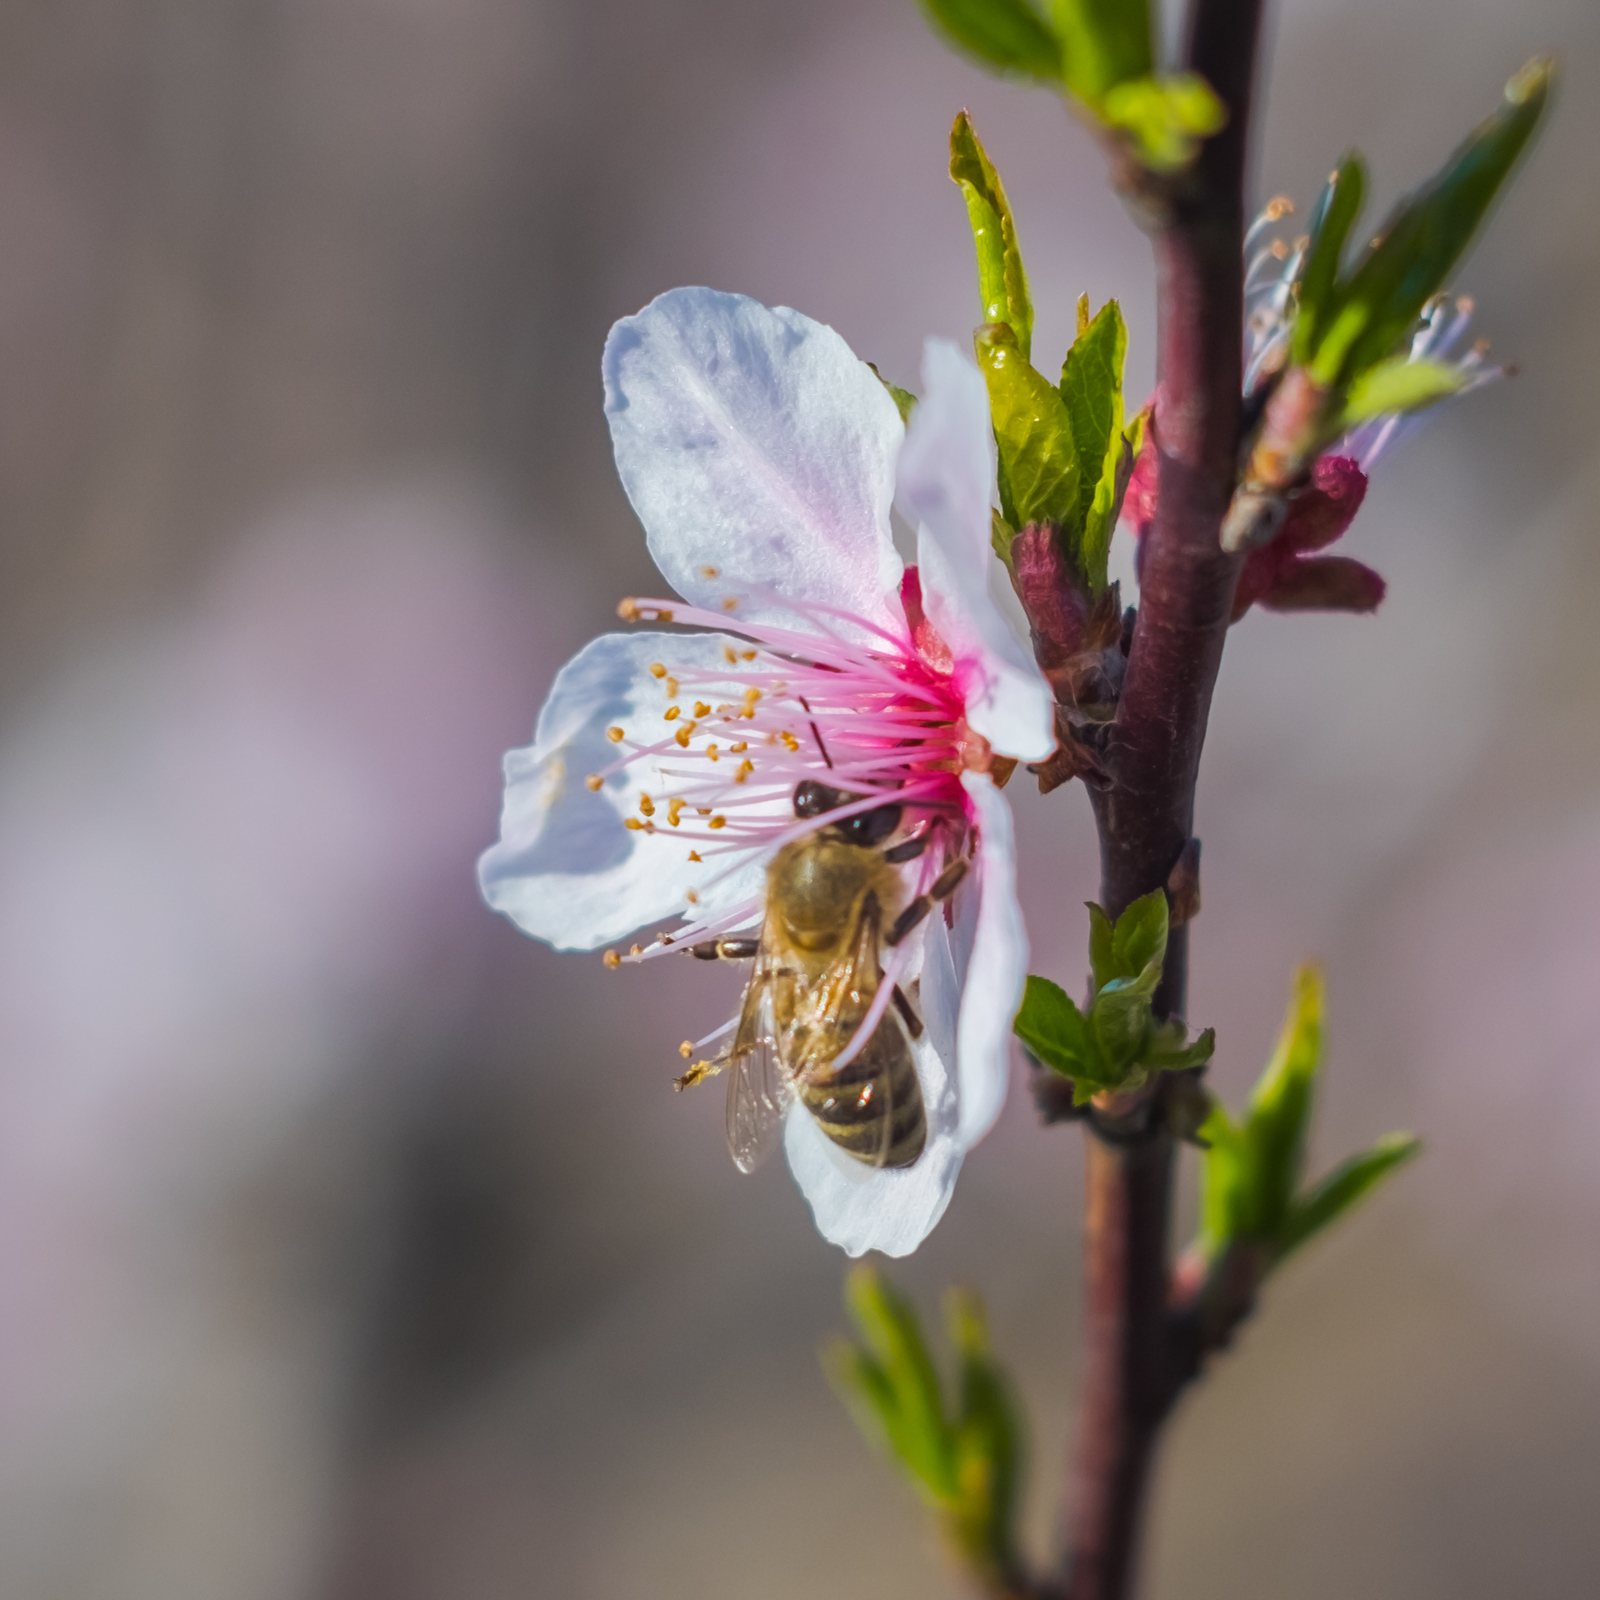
(813, 799)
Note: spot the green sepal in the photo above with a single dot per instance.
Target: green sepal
(1164, 118)
(1429, 231)
(1091, 388)
(1002, 280)
(1331, 219)
(1343, 1188)
(1008, 35)
(1038, 467)
(1402, 383)
(1103, 43)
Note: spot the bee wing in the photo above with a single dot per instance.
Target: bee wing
(760, 1087)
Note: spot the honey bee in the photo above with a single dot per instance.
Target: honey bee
(834, 904)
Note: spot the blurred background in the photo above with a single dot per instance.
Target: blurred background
(354, 1246)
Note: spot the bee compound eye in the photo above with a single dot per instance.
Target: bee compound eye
(812, 799)
(871, 827)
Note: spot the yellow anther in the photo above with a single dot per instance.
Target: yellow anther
(683, 735)
(686, 1049)
(729, 654)
(647, 806)
(629, 610)
(731, 603)
(718, 822)
(672, 688)
(1278, 250)
(751, 696)
(634, 823)
(1279, 206)
(611, 959)
(674, 811)
(592, 781)
(670, 714)
(737, 749)
(789, 740)
(614, 735)
(747, 655)
(634, 950)
(691, 897)
(658, 669)
(708, 572)
(702, 811)
(745, 769)
(701, 709)
(711, 751)
(694, 855)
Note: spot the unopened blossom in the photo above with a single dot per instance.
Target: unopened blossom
(1288, 573)
(763, 458)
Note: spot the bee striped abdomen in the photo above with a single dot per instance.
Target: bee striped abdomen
(872, 1106)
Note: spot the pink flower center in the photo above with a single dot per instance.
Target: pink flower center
(717, 773)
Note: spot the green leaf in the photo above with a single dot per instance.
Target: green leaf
(1001, 533)
(1002, 282)
(1102, 947)
(1103, 43)
(1331, 219)
(1091, 388)
(1053, 1028)
(908, 1400)
(1008, 35)
(905, 401)
(988, 1441)
(1038, 463)
(1342, 1188)
(1429, 231)
(1166, 1051)
(1399, 384)
(1279, 1113)
(1139, 945)
(1164, 118)
(1120, 1022)
(1224, 1181)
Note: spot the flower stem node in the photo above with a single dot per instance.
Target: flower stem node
(763, 458)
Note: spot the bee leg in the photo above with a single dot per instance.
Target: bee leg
(912, 1021)
(943, 887)
(723, 949)
(909, 851)
(698, 1073)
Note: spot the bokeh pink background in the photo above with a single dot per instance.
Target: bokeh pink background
(353, 1246)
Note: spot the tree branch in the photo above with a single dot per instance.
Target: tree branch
(1136, 1358)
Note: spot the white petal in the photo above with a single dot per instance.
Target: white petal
(859, 1208)
(566, 870)
(946, 476)
(996, 969)
(759, 453)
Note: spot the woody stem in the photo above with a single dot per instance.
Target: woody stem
(1133, 1365)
